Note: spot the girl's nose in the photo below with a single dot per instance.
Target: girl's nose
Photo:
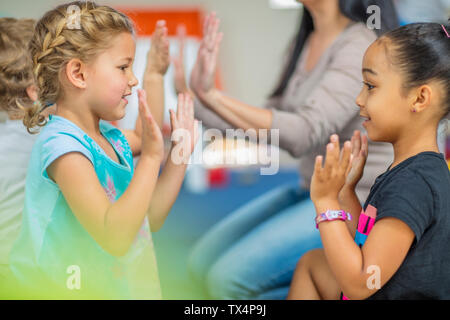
(133, 81)
(359, 100)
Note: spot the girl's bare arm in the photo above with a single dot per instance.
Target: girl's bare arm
(113, 225)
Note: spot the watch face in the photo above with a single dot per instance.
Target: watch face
(335, 214)
(332, 214)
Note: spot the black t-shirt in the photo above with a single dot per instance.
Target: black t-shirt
(417, 191)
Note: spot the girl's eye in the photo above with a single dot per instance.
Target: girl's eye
(369, 86)
(123, 68)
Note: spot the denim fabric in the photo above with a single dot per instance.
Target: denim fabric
(253, 252)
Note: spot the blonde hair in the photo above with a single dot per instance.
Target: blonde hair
(79, 29)
(16, 66)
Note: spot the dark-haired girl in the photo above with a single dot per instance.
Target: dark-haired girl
(400, 248)
(252, 253)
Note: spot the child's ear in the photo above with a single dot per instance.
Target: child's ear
(421, 98)
(75, 72)
(32, 92)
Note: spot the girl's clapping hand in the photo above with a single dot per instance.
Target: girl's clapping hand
(184, 127)
(152, 140)
(357, 159)
(327, 181)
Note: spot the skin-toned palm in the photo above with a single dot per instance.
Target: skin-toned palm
(327, 181)
(195, 78)
(184, 119)
(178, 62)
(196, 71)
(357, 160)
(152, 140)
(158, 58)
(202, 75)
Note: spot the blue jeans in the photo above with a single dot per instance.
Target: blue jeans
(253, 252)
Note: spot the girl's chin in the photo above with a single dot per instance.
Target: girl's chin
(120, 111)
(114, 115)
(120, 114)
(372, 134)
(367, 125)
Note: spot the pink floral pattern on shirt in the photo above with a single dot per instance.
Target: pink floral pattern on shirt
(110, 189)
(118, 145)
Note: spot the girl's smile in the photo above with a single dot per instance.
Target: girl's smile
(124, 99)
(365, 117)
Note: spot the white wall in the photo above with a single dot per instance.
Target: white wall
(255, 38)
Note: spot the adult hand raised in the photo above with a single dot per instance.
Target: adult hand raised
(178, 62)
(203, 74)
(158, 58)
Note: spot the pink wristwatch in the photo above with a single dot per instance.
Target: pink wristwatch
(331, 215)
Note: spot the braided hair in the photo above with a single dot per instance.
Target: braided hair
(56, 41)
(16, 68)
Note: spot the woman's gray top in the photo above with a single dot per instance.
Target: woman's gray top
(321, 102)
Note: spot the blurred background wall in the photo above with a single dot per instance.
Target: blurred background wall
(255, 37)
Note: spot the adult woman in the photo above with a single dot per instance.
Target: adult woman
(252, 253)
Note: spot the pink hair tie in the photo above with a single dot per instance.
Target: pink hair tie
(445, 30)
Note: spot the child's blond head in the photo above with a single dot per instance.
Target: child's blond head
(76, 30)
(16, 69)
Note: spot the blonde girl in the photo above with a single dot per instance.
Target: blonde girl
(88, 212)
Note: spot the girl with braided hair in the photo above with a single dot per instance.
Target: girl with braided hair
(88, 213)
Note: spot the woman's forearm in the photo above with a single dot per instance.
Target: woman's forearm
(237, 113)
(166, 192)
